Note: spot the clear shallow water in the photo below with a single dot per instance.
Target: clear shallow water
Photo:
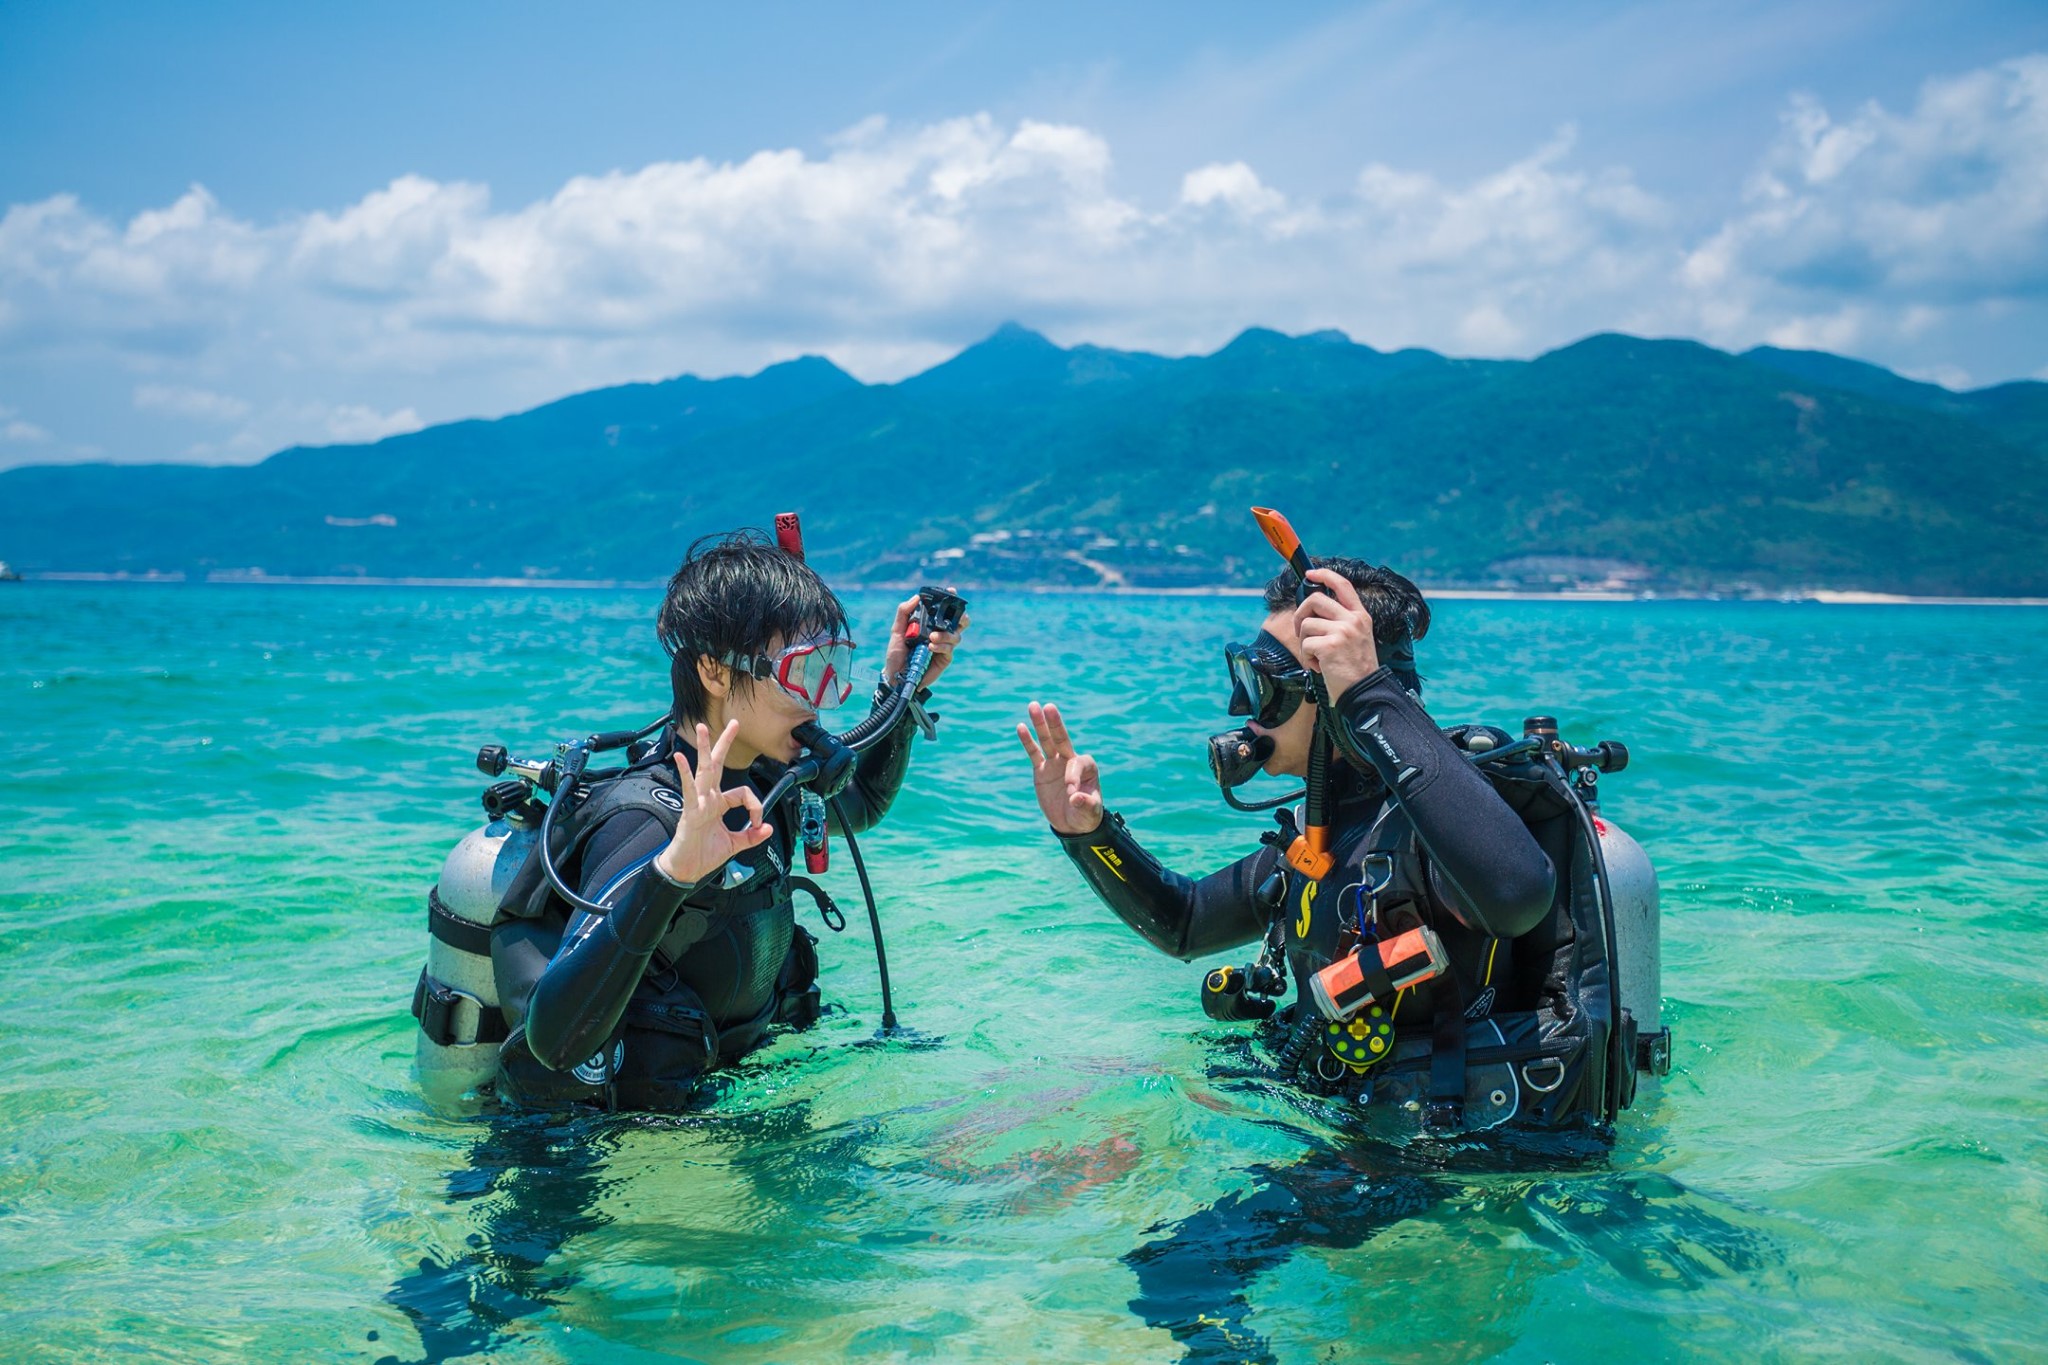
(225, 806)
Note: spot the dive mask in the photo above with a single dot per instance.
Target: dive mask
(817, 672)
(1267, 682)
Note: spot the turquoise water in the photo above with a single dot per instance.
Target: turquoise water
(225, 806)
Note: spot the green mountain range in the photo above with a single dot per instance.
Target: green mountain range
(1616, 461)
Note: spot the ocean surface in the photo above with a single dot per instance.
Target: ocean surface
(224, 807)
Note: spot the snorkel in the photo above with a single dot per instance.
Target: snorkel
(1310, 853)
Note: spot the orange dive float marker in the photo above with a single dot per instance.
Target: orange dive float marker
(1377, 972)
(1310, 853)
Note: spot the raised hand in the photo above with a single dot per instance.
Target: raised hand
(1336, 632)
(702, 843)
(1068, 787)
(943, 643)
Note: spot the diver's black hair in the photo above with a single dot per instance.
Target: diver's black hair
(736, 593)
(1400, 615)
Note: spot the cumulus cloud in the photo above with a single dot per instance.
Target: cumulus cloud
(895, 244)
(181, 401)
(13, 428)
(1880, 225)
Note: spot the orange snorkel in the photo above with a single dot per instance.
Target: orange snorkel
(1310, 852)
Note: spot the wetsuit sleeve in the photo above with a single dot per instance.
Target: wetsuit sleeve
(877, 777)
(1187, 919)
(583, 992)
(1498, 879)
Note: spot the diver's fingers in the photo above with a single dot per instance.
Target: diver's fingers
(1031, 748)
(686, 778)
(1342, 588)
(748, 797)
(694, 789)
(1321, 606)
(903, 611)
(1058, 727)
(751, 835)
(1085, 774)
(1043, 727)
(711, 772)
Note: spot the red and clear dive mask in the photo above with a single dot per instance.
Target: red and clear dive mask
(817, 672)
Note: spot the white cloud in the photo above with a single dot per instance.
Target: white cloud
(13, 428)
(424, 301)
(352, 422)
(1235, 184)
(181, 401)
(1884, 225)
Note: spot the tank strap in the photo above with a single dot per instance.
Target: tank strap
(438, 1007)
(464, 936)
(1446, 1112)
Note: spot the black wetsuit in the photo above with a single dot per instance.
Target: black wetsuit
(629, 1008)
(1464, 863)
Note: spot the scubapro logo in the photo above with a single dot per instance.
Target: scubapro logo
(670, 799)
(601, 1068)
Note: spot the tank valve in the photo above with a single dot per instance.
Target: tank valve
(491, 759)
(512, 801)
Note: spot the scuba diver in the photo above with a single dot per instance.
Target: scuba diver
(639, 931)
(1469, 944)
(609, 948)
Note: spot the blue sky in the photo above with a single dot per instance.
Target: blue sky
(229, 228)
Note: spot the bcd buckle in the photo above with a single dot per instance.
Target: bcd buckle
(435, 1005)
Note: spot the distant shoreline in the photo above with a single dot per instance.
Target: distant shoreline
(1833, 597)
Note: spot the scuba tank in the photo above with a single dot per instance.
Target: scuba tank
(456, 1000)
(1632, 894)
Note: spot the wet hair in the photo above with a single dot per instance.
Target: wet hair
(1400, 616)
(736, 593)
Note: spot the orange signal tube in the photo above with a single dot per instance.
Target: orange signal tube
(1310, 854)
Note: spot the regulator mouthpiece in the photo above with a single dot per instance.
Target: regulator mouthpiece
(834, 761)
(1236, 756)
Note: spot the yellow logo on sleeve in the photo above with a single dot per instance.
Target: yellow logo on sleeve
(1308, 898)
(1109, 860)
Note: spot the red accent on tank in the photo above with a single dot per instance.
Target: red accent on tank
(1599, 825)
(789, 533)
(817, 860)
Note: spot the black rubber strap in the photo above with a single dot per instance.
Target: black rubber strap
(1447, 1057)
(464, 936)
(434, 1004)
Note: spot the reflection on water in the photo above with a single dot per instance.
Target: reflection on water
(535, 1182)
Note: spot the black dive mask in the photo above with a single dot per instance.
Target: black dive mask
(1267, 682)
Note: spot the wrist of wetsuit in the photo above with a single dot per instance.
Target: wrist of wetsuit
(650, 906)
(1130, 881)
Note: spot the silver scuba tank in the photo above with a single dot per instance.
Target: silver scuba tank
(456, 1001)
(1638, 953)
